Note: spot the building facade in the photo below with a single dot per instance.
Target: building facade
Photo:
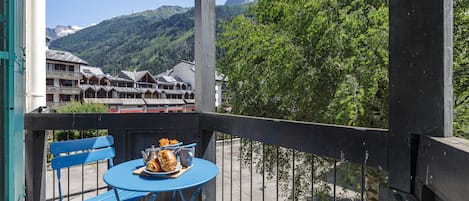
(62, 78)
(69, 78)
(137, 91)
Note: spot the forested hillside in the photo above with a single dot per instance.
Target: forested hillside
(152, 40)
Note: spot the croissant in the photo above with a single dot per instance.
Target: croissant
(154, 165)
(167, 159)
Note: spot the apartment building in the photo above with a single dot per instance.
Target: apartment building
(62, 77)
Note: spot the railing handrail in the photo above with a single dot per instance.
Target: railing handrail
(354, 144)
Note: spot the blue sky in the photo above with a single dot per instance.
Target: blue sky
(86, 12)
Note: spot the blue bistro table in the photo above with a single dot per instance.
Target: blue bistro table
(121, 177)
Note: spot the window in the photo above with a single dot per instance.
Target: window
(50, 97)
(71, 68)
(59, 67)
(66, 83)
(65, 98)
(50, 66)
(50, 82)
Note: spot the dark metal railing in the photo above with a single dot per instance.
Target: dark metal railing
(315, 156)
(299, 144)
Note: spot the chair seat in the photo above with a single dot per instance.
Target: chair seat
(123, 196)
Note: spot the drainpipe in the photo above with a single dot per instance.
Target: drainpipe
(35, 54)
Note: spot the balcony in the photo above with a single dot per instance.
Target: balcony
(418, 156)
(258, 158)
(63, 74)
(63, 90)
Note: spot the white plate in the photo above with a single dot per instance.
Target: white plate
(178, 168)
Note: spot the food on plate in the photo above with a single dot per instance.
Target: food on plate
(154, 165)
(166, 142)
(167, 159)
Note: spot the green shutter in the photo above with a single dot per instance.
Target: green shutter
(12, 99)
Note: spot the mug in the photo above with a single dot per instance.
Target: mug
(186, 154)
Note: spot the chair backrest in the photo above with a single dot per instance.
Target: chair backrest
(82, 151)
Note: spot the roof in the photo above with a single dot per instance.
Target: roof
(135, 75)
(91, 70)
(57, 55)
(184, 71)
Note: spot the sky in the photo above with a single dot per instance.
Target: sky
(87, 12)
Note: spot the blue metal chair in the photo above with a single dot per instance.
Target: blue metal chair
(85, 151)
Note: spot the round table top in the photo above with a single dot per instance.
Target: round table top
(121, 176)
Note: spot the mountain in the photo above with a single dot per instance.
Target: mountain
(237, 2)
(152, 40)
(60, 31)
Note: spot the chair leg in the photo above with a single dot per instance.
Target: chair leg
(174, 196)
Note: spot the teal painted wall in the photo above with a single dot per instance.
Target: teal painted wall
(12, 95)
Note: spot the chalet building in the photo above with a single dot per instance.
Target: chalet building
(62, 77)
(137, 91)
(184, 71)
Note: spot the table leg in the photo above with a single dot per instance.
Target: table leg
(194, 195)
(153, 196)
(117, 194)
(197, 191)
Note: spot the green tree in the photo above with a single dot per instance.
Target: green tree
(310, 60)
(461, 68)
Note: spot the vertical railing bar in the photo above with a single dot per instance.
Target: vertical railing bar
(231, 168)
(53, 174)
(362, 183)
(263, 171)
(293, 175)
(97, 169)
(250, 158)
(223, 167)
(240, 168)
(68, 172)
(277, 169)
(82, 174)
(312, 177)
(335, 178)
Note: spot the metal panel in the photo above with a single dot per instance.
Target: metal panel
(443, 165)
(339, 142)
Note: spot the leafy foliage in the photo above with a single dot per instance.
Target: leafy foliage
(77, 107)
(321, 61)
(461, 68)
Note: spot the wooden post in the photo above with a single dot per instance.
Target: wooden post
(205, 78)
(420, 76)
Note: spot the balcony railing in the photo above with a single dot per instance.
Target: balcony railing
(63, 89)
(264, 159)
(63, 74)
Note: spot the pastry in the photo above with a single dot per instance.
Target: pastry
(167, 159)
(154, 165)
(165, 142)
